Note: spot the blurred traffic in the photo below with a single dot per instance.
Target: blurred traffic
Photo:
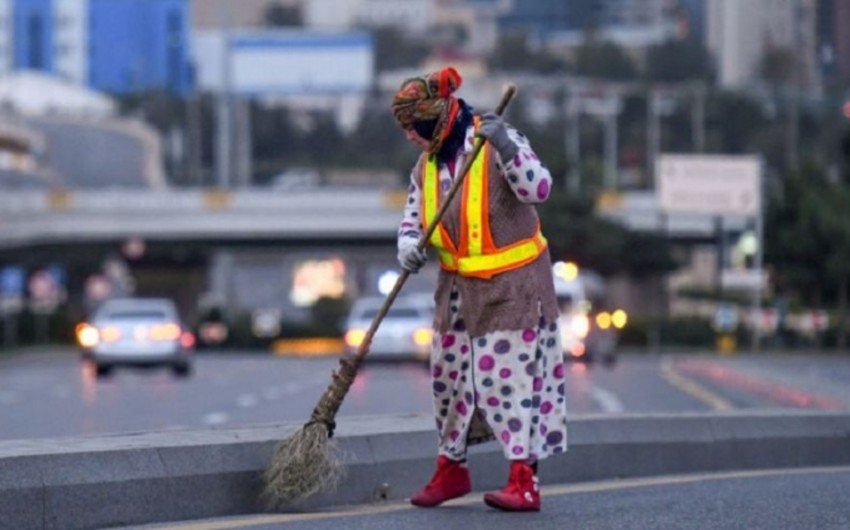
(404, 334)
(589, 327)
(136, 332)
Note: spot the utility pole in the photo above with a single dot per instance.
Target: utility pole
(793, 131)
(653, 134)
(698, 117)
(193, 140)
(573, 140)
(224, 126)
(244, 145)
(613, 108)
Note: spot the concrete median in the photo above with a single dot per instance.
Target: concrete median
(176, 475)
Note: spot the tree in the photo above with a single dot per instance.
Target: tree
(278, 15)
(809, 246)
(514, 53)
(778, 67)
(394, 50)
(675, 61)
(604, 60)
(576, 233)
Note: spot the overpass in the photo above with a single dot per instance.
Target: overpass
(37, 217)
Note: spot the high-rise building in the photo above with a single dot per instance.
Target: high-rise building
(117, 46)
(740, 34)
(842, 38)
(627, 22)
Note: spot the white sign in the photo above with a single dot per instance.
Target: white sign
(744, 279)
(709, 184)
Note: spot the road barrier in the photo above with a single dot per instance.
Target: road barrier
(178, 475)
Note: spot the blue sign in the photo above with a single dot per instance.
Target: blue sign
(12, 281)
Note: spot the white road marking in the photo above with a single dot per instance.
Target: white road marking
(61, 392)
(216, 418)
(291, 389)
(271, 393)
(606, 399)
(247, 400)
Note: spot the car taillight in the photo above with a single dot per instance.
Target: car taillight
(87, 335)
(577, 349)
(187, 340)
(354, 337)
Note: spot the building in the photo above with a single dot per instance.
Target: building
(211, 14)
(739, 34)
(842, 38)
(833, 34)
(116, 46)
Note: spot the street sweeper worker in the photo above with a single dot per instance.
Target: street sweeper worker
(496, 353)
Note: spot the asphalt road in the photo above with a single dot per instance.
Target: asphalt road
(54, 394)
(799, 499)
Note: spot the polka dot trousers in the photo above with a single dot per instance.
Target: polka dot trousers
(515, 378)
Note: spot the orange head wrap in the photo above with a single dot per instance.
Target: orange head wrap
(429, 98)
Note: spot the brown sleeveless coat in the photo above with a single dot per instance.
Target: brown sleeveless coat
(512, 300)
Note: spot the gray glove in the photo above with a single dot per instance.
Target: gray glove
(411, 258)
(493, 128)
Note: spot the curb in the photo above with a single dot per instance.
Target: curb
(181, 475)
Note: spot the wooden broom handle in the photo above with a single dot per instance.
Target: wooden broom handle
(363, 349)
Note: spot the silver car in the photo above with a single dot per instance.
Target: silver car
(404, 334)
(136, 332)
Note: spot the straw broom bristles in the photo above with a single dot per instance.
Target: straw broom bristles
(303, 465)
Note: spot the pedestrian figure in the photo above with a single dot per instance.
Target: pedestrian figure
(496, 354)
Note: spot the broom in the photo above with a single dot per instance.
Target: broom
(305, 464)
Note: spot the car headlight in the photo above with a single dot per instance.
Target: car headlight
(603, 320)
(423, 336)
(580, 326)
(87, 335)
(354, 337)
(619, 318)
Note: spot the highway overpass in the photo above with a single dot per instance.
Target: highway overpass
(36, 217)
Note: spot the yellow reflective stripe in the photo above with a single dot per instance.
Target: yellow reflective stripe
(430, 184)
(447, 259)
(498, 260)
(474, 219)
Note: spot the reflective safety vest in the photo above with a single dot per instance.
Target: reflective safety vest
(476, 255)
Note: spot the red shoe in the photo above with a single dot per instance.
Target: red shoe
(451, 480)
(521, 494)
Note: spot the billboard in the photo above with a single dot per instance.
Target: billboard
(286, 62)
(709, 184)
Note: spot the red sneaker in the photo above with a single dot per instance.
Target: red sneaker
(451, 480)
(521, 494)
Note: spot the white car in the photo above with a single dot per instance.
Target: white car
(588, 332)
(405, 332)
(136, 332)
